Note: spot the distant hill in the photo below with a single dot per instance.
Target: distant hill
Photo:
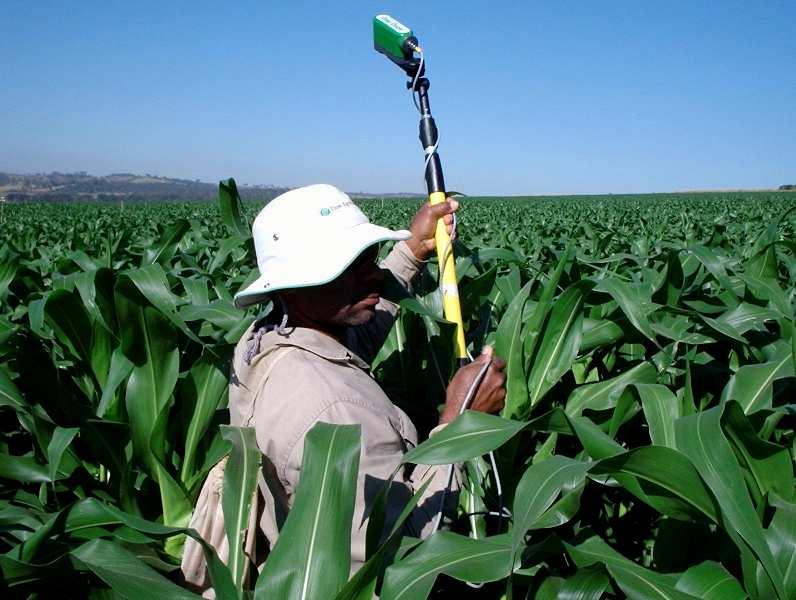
(82, 187)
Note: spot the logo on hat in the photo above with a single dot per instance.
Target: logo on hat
(330, 209)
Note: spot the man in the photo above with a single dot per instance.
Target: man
(307, 361)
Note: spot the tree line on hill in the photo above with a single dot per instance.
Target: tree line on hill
(118, 187)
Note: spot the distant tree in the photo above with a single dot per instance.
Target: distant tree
(784, 188)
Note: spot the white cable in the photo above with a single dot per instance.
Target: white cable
(467, 399)
(417, 76)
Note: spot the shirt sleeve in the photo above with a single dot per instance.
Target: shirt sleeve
(365, 340)
(402, 263)
(381, 450)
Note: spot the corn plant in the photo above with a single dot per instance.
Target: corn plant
(646, 448)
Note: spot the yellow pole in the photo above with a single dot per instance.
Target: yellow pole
(450, 289)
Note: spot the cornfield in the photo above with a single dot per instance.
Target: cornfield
(646, 449)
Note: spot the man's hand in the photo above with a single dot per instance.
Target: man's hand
(424, 224)
(491, 393)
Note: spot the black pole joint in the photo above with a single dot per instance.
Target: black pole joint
(429, 135)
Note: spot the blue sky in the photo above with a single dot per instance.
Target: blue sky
(530, 97)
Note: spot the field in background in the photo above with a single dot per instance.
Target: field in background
(650, 345)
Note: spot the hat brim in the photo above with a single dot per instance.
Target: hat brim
(325, 261)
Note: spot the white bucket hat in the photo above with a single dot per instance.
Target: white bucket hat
(307, 237)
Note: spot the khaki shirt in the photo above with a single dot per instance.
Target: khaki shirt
(299, 378)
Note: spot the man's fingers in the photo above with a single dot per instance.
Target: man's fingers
(498, 363)
(439, 210)
(443, 208)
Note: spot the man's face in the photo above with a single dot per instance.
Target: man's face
(349, 300)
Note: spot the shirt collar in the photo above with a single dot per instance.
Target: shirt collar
(316, 342)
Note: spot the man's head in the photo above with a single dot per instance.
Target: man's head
(318, 250)
(348, 300)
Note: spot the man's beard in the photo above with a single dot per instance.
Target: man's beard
(358, 318)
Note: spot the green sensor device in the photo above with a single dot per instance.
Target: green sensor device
(395, 40)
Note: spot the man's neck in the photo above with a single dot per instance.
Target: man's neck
(299, 320)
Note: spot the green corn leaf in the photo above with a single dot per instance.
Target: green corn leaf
(240, 483)
(675, 279)
(560, 341)
(126, 574)
(474, 292)
(220, 313)
(600, 333)
(673, 477)
(149, 341)
(107, 442)
(196, 290)
(363, 583)
(641, 484)
(96, 290)
(588, 583)
(713, 264)
(701, 439)
(225, 249)
(710, 581)
(163, 249)
(312, 556)
(741, 319)
(150, 282)
(603, 395)
(542, 308)
(770, 291)
(460, 557)
(661, 409)
(508, 345)
(176, 504)
(746, 317)
(633, 302)
(469, 435)
(563, 510)
(539, 487)
(752, 385)
(781, 538)
(90, 513)
(118, 371)
(61, 438)
(763, 264)
(24, 469)
(9, 392)
(202, 392)
(769, 465)
(153, 377)
(230, 205)
(8, 270)
(64, 312)
(634, 580)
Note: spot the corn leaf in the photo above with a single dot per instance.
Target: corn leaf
(312, 557)
(240, 483)
(127, 574)
(460, 557)
(701, 439)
